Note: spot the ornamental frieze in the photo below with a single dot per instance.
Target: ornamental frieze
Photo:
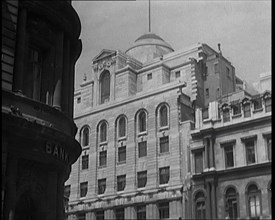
(104, 64)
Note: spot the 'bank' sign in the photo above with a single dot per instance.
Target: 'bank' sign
(57, 151)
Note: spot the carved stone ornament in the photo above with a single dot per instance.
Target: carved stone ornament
(104, 64)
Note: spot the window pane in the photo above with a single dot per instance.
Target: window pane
(268, 105)
(198, 162)
(142, 179)
(122, 154)
(121, 182)
(236, 109)
(226, 115)
(102, 158)
(164, 210)
(105, 87)
(103, 132)
(122, 127)
(163, 116)
(85, 138)
(83, 189)
(85, 162)
(164, 144)
(101, 186)
(250, 151)
(100, 215)
(142, 122)
(120, 214)
(141, 212)
(247, 112)
(229, 160)
(142, 149)
(164, 175)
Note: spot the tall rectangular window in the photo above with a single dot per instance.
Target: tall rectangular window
(142, 149)
(101, 186)
(81, 216)
(103, 158)
(216, 67)
(141, 179)
(122, 154)
(83, 189)
(85, 162)
(226, 115)
(258, 103)
(164, 144)
(119, 214)
(246, 110)
(141, 212)
(177, 74)
(229, 156)
(163, 210)
(236, 109)
(250, 151)
(121, 182)
(198, 162)
(268, 105)
(67, 191)
(164, 175)
(269, 148)
(99, 215)
(207, 93)
(227, 72)
(149, 76)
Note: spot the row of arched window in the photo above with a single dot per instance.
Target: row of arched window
(231, 201)
(121, 125)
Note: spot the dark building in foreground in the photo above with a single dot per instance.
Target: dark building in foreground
(40, 46)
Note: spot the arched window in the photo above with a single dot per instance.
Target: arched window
(142, 121)
(103, 132)
(122, 127)
(253, 201)
(200, 206)
(163, 116)
(85, 136)
(231, 203)
(105, 87)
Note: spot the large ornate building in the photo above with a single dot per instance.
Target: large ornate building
(40, 46)
(140, 120)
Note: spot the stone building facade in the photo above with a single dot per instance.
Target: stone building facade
(230, 159)
(40, 45)
(135, 117)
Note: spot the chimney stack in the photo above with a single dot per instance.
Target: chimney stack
(219, 48)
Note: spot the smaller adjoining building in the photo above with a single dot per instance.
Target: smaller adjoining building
(230, 159)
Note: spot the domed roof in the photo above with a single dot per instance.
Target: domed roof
(150, 39)
(149, 46)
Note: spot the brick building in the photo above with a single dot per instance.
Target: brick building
(40, 45)
(135, 117)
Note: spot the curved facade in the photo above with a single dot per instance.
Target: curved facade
(39, 49)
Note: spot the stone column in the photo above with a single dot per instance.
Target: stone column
(130, 213)
(58, 71)
(152, 211)
(206, 154)
(211, 151)
(109, 214)
(213, 200)
(90, 216)
(19, 70)
(208, 202)
(10, 195)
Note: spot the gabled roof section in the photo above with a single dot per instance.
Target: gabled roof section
(103, 54)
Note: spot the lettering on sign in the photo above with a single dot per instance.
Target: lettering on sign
(57, 151)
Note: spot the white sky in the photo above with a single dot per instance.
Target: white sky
(242, 27)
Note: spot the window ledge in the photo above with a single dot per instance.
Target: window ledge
(101, 167)
(142, 133)
(103, 143)
(122, 138)
(237, 115)
(164, 128)
(163, 185)
(164, 153)
(121, 162)
(258, 110)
